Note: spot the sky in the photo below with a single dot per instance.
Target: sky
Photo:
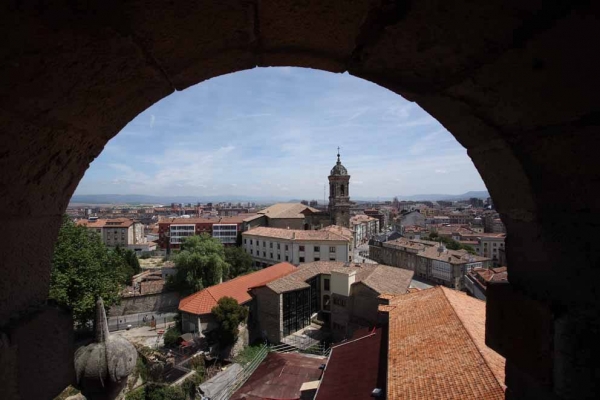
(275, 132)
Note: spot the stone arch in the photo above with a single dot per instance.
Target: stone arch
(513, 82)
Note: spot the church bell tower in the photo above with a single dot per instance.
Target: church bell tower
(339, 194)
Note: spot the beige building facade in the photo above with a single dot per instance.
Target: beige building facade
(268, 246)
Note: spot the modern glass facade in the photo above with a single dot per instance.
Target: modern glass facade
(296, 310)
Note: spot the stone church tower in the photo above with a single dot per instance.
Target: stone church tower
(339, 194)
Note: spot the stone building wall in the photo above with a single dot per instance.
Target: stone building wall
(268, 313)
(159, 302)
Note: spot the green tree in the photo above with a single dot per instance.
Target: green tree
(83, 268)
(200, 263)
(132, 264)
(171, 336)
(229, 314)
(239, 261)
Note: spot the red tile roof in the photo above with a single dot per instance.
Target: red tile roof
(437, 348)
(354, 369)
(203, 301)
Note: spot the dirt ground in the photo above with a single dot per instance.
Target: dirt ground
(152, 262)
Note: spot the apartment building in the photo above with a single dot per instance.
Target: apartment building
(172, 231)
(268, 246)
(429, 260)
(364, 228)
(122, 232)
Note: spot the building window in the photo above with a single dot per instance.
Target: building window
(244, 241)
(286, 247)
(326, 284)
(296, 310)
(271, 245)
(278, 246)
(301, 259)
(250, 251)
(264, 253)
(332, 249)
(332, 258)
(271, 254)
(317, 248)
(301, 248)
(278, 257)
(264, 244)
(287, 258)
(250, 241)
(317, 259)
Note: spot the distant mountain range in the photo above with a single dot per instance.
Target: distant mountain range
(148, 199)
(482, 194)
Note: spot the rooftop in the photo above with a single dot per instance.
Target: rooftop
(294, 234)
(203, 301)
(280, 376)
(430, 249)
(105, 223)
(287, 210)
(368, 369)
(437, 348)
(381, 278)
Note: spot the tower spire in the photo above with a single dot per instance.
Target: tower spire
(338, 155)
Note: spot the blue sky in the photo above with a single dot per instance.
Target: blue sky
(275, 132)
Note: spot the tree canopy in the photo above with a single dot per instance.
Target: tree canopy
(450, 243)
(83, 268)
(200, 263)
(229, 314)
(239, 261)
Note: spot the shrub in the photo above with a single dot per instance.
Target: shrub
(137, 394)
(171, 336)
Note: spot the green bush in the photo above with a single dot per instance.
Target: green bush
(137, 394)
(248, 354)
(190, 384)
(156, 392)
(171, 336)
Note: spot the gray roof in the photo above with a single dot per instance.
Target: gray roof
(380, 278)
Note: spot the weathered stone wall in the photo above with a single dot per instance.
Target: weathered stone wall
(513, 81)
(269, 311)
(159, 302)
(364, 304)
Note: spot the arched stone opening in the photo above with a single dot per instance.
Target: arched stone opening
(514, 82)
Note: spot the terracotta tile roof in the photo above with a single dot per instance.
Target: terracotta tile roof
(236, 219)
(339, 230)
(294, 234)
(354, 369)
(486, 275)
(107, 223)
(287, 210)
(437, 348)
(381, 278)
(203, 301)
(429, 249)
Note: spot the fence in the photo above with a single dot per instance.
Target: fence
(242, 376)
(161, 320)
(319, 349)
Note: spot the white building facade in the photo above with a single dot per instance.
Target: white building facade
(269, 246)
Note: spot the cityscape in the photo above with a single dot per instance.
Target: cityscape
(299, 200)
(310, 276)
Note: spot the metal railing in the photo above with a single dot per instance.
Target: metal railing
(243, 375)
